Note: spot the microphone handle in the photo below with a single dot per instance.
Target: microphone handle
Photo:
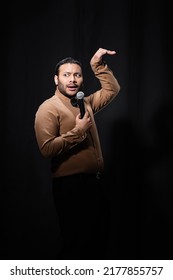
(82, 107)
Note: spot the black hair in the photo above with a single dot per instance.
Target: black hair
(64, 61)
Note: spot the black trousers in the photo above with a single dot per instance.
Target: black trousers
(82, 206)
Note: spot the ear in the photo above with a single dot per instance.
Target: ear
(56, 80)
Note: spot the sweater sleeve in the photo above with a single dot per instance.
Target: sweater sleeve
(109, 87)
(50, 142)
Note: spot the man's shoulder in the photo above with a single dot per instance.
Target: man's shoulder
(49, 101)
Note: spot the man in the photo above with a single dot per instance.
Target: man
(72, 142)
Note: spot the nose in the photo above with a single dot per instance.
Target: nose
(73, 78)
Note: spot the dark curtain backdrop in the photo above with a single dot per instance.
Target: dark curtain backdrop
(136, 130)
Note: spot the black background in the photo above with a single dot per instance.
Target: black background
(136, 130)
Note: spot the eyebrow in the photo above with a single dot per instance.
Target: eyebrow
(67, 72)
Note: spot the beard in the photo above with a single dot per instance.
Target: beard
(63, 91)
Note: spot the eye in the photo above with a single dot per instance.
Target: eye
(78, 75)
(66, 74)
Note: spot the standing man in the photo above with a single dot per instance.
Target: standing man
(71, 140)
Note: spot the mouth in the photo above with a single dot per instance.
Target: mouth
(72, 88)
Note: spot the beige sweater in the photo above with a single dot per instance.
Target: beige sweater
(70, 149)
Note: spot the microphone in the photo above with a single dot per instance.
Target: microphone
(80, 97)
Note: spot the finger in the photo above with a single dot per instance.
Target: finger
(111, 52)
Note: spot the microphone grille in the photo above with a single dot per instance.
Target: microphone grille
(80, 95)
